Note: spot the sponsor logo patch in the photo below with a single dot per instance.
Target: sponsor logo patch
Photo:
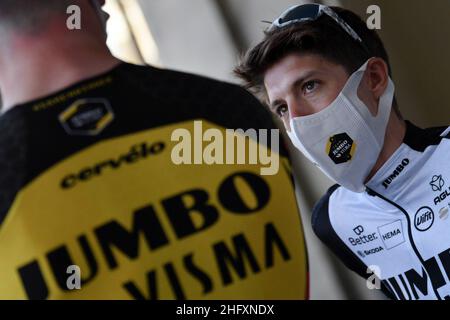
(396, 173)
(424, 218)
(392, 234)
(365, 253)
(340, 148)
(87, 117)
(437, 183)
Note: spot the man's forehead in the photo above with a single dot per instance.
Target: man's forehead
(299, 63)
(281, 75)
(290, 69)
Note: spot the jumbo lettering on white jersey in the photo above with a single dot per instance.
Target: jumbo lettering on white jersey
(402, 229)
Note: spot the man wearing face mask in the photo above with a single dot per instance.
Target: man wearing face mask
(92, 202)
(328, 77)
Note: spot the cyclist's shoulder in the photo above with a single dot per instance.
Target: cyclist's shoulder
(325, 230)
(320, 219)
(419, 139)
(219, 100)
(332, 212)
(181, 81)
(198, 92)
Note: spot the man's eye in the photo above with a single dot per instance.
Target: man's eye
(309, 86)
(281, 110)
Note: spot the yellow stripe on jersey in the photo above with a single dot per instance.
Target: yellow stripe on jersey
(140, 226)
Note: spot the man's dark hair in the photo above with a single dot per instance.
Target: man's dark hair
(323, 37)
(29, 15)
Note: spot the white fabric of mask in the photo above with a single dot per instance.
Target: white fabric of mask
(344, 140)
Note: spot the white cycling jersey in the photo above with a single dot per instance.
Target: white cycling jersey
(400, 226)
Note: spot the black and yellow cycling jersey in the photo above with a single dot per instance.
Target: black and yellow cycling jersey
(86, 179)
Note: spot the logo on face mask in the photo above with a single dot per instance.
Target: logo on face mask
(340, 148)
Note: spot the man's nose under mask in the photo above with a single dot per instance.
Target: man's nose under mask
(344, 140)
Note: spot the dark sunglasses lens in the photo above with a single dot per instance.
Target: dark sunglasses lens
(306, 11)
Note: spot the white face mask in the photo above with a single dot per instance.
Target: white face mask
(344, 140)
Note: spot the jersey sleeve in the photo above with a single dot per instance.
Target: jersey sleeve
(323, 229)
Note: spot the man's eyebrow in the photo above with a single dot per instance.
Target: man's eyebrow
(294, 84)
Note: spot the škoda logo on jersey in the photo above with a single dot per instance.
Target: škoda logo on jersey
(87, 117)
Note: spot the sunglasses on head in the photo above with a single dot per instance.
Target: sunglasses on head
(311, 12)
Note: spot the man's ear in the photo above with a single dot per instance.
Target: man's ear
(374, 84)
(378, 77)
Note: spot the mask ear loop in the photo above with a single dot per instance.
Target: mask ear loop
(384, 105)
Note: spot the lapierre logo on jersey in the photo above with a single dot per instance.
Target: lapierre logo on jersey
(392, 234)
(424, 219)
(396, 173)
